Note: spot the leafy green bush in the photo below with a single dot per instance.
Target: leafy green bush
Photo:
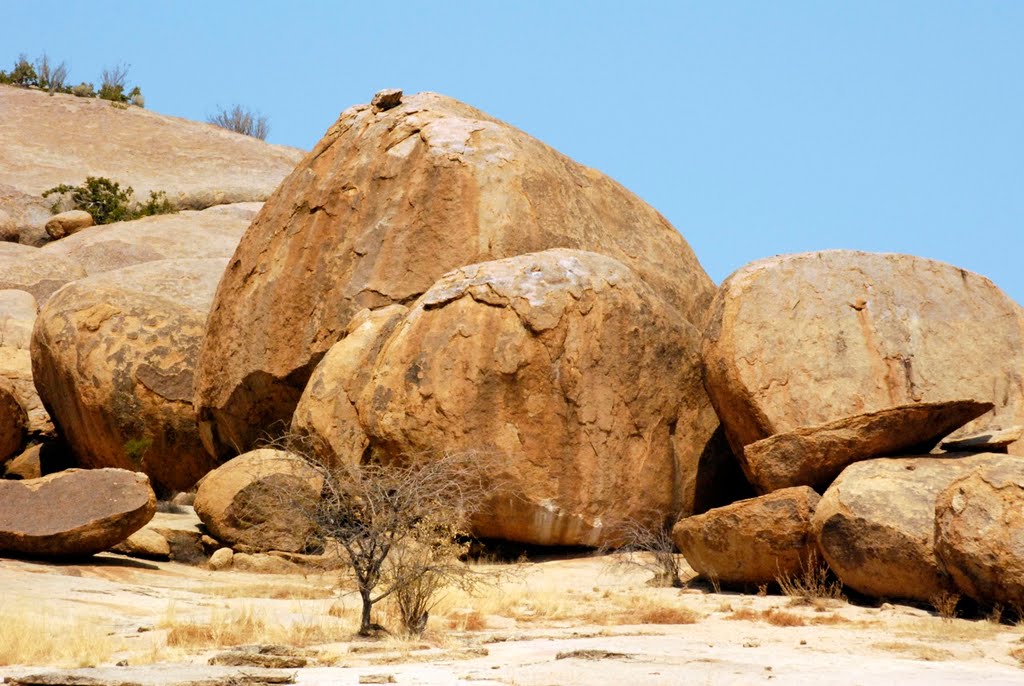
(107, 202)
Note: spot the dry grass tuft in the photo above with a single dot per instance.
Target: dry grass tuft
(273, 591)
(1018, 655)
(815, 580)
(468, 620)
(772, 616)
(834, 618)
(945, 603)
(247, 626)
(46, 637)
(915, 650)
(667, 615)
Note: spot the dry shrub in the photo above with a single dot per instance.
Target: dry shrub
(469, 620)
(834, 618)
(780, 618)
(667, 615)
(273, 591)
(246, 626)
(1018, 655)
(45, 637)
(814, 580)
(945, 603)
(916, 650)
(745, 614)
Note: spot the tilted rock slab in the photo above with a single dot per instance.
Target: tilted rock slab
(801, 340)
(213, 232)
(568, 369)
(979, 531)
(996, 441)
(815, 455)
(875, 525)
(13, 423)
(260, 499)
(25, 268)
(74, 512)
(326, 415)
(113, 357)
(752, 541)
(388, 202)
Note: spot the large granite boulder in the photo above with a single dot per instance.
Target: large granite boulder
(74, 512)
(25, 268)
(326, 416)
(113, 357)
(875, 525)
(13, 423)
(262, 499)
(802, 340)
(17, 317)
(815, 455)
(213, 232)
(753, 541)
(979, 531)
(387, 202)
(570, 370)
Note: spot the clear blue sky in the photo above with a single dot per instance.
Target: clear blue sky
(756, 127)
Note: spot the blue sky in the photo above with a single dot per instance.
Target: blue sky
(756, 127)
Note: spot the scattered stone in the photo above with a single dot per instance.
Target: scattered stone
(261, 499)
(979, 531)
(98, 509)
(221, 559)
(67, 223)
(815, 455)
(63, 679)
(419, 190)
(994, 441)
(13, 424)
(387, 99)
(753, 541)
(263, 563)
(802, 340)
(146, 544)
(376, 678)
(875, 525)
(567, 366)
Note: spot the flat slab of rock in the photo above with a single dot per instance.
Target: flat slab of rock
(875, 525)
(979, 531)
(995, 441)
(752, 541)
(815, 455)
(74, 512)
(801, 340)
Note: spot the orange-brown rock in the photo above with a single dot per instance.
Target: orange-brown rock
(67, 223)
(13, 423)
(326, 414)
(815, 455)
(875, 525)
(213, 232)
(979, 531)
(387, 202)
(16, 372)
(113, 357)
(801, 340)
(25, 268)
(752, 541)
(260, 499)
(564, 366)
(74, 512)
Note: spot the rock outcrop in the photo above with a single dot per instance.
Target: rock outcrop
(875, 525)
(754, 541)
(261, 499)
(13, 424)
(113, 357)
(815, 455)
(568, 368)
(802, 340)
(326, 414)
(24, 268)
(74, 512)
(979, 531)
(214, 232)
(388, 201)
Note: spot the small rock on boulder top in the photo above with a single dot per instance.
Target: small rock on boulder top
(979, 531)
(752, 541)
(387, 202)
(261, 499)
(67, 223)
(74, 512)
(801, 340)
(815, 455)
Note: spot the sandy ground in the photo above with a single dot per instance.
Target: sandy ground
(576, 621)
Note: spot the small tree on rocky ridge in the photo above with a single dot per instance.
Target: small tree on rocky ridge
(241, 120)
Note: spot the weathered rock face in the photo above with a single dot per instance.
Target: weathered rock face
(49, 140)
(564, 364)
(74, 512)
(996, 441)
(28, 269)
(979, 531)
(16, 371)
(387, 202)
(753, 541)
(13, 423)
(17, 317)
(802, 340)
(113, 357)
(815, 455)
(67, 223)
(259, 499)
(875, 525)
(214, 232)
(26, 216)
(326, 413)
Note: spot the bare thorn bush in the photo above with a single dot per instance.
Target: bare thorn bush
(815, 580)
(945, 604)
(650, 548)
(241, 120)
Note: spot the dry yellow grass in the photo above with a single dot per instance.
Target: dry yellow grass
(242, 626)
(275, 591)
(915, 650)
(772, 616)
(44, 636)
